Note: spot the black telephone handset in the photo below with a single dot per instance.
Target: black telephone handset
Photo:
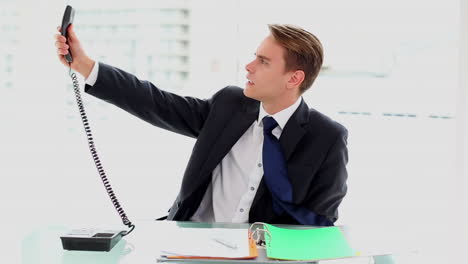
(91, 239)
(67, 20)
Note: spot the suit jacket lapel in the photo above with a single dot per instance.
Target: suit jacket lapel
(293, 130)
(234, 129)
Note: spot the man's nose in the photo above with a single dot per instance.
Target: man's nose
(249, 67)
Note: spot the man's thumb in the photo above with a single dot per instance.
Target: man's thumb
(71, 33)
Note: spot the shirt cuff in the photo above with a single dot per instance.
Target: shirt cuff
(91, 80)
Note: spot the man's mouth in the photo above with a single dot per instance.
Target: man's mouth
(249, 82)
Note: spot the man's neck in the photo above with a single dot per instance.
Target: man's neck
(274, 107)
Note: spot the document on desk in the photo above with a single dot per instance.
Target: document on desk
(209, 243)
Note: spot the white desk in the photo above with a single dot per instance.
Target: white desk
(143, 244)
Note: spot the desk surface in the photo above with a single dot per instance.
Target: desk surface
(143, 245)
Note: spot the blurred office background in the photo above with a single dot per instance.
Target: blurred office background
(393, 75)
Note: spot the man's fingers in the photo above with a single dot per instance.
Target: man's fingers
(62, 51)
(71, 34)
(60, 38)
(61, 45)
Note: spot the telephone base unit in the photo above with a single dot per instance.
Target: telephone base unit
(91, 239)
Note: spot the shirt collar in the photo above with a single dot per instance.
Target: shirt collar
(282, 116)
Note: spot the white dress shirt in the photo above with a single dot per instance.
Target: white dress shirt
(236, 178)
(91, 80)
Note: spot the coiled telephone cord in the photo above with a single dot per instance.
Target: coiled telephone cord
(95, 156)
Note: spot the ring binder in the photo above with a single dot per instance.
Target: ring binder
(278, 243)
(260, 239)
(314, 243)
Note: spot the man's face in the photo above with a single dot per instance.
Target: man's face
(266, 74)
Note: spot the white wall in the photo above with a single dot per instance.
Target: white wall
(462, 129)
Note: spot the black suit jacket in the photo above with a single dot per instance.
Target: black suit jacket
(314, 146)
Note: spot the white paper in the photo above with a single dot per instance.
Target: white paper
(208, 242)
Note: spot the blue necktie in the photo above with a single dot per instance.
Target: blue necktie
(277, 181)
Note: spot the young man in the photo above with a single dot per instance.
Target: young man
(261, 153)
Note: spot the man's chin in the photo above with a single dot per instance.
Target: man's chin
(248, 93)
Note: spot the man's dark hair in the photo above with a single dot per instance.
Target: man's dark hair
(303, 51)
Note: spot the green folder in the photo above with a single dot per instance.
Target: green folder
(306, 244)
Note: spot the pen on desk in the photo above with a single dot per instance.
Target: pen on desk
(225, 243)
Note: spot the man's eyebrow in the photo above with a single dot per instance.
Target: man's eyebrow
(262, 57)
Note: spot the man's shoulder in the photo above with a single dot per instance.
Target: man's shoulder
(232, 95)
(319, 121)
(231, 91)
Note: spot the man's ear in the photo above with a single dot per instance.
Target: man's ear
(295, 80)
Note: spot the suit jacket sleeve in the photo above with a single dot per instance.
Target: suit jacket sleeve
(329, 185)
(183, 115)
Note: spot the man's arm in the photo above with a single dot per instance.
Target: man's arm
(183, 115)
(329, 185)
